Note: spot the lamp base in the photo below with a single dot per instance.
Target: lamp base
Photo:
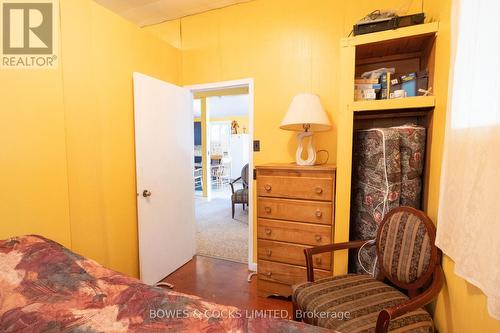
(311, 152)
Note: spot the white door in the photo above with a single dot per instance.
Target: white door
(164, 167)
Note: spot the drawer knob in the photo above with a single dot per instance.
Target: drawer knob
(319, 190)
(318, 261)
(268, 210)
(269, 252)
(268, 188)
(269, 274)
(268, 231)
(318, 238)
(319, 213)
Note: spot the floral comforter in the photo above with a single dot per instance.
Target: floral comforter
(45, 287)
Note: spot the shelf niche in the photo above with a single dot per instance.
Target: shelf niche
(412, 54)
(406, 55)
(389, 118)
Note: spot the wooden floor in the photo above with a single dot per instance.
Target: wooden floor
(223, 282)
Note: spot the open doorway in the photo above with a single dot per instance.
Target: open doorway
(223, 127)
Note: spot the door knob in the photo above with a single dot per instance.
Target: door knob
(146, 193)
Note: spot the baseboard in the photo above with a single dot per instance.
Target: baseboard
(252, 266)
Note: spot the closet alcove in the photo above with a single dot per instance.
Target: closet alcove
(407, 50)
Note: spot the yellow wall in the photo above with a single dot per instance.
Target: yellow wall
(272, 45)
(68, 162)
(169, 32)
(34, 195)
(100, 126)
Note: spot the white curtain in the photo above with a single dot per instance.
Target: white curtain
(468, 228)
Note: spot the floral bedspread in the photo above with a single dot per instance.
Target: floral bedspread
(45, 287)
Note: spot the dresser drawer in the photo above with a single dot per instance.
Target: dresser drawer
(285, 273)
(290, 254)
(294, 232)
(312, 188)
(268, 288)
(295, 210)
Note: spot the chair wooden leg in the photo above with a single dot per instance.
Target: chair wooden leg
(295, 311)
(233, 209)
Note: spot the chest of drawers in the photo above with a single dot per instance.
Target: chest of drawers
(295, 210)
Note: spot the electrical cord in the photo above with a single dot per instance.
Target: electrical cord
(372, 272)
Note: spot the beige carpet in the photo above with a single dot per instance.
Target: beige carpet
(217, 234)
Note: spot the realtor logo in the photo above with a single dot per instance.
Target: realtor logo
(29, 34)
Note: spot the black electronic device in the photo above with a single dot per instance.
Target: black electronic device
(387, 23)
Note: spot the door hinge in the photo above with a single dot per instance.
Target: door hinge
(254, 174)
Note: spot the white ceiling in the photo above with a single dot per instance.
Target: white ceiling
(148, 12)
(225, 106)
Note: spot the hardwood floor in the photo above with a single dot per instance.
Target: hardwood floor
(223, 282)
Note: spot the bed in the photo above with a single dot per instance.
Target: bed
(44, 287)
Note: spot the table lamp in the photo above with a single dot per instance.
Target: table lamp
(305, 114)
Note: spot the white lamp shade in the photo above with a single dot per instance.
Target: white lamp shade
(306, 109)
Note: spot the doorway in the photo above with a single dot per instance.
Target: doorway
(223, 164)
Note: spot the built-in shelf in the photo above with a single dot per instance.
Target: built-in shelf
(393, 104)
(408, 50)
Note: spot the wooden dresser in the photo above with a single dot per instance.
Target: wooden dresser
(295, 210)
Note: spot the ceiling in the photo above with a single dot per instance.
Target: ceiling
(224, 106)
(148, 12)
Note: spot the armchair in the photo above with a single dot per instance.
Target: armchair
(407, 259)
(240, 196)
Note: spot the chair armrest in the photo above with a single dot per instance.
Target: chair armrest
(232, 184)
(327, 248)
(412, 304)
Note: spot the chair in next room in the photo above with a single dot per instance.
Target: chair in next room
(240, 196)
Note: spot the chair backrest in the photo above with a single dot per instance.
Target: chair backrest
(244, 176)
(406, 252)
